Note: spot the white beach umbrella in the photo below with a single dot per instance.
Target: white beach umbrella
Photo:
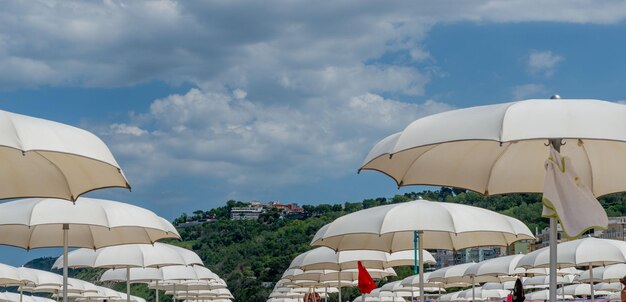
(496, 149)
(506, 285)
(332, 275)
(544, 281)
(544, 271)
(609, 273)
(587, 252)
(582, 289)
(39, 277)
(326, 258)
(439, 225)
(9, 275)
(505, 266)
(413, 280)
(317, 284)
(543, 295)
(91, 223)
(450, 297)
(617, 296)
(480, 293)
(129, 256)
(13, 297)
(609, 287)
(148, 274)
(497, 269)
(42, 158)
(191, 285)
(451, 274)
(582, 252)
(397, 288)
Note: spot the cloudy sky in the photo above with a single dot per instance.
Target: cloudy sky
(205, 101)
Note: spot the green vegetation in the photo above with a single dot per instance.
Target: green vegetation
(248, 253)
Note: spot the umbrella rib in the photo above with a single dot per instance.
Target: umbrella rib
(67, 183)
(486, 191)
(400, 182)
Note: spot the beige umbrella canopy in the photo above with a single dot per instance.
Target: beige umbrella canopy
(42, 158)
(129, 256)
(440, 225)
(90, 223)
(326, 258)
(609, 273)
(498, 149)
(390, 228)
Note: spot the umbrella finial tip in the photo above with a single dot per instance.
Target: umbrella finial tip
(555, 97)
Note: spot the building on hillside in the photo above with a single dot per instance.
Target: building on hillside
(617, 226)
(616, 230)
(246, 213)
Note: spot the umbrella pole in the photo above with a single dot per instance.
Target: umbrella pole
(593, 298)
(553, 259)
(325, 293)
(339, 281)
(128, 284)
(473, 290)
(420, 243)
(412, 293)
(157, 290)
(21, 293)
(556, 144)
(66, 239)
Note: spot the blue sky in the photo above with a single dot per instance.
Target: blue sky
(202, 102)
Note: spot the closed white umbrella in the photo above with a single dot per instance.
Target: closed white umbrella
(497, 149)
(91, 223)
(42, 158)
(439, 225)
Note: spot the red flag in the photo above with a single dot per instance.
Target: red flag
(366, 283)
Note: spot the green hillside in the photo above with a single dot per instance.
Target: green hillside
(248, 253)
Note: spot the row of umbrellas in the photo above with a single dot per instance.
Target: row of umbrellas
(38, 281)
(517, 148)
(58, 163)
(164, 267)
(326, 266)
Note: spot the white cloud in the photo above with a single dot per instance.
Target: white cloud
(530, 91)
(543, 62)
(238, 141)
(119, 43)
